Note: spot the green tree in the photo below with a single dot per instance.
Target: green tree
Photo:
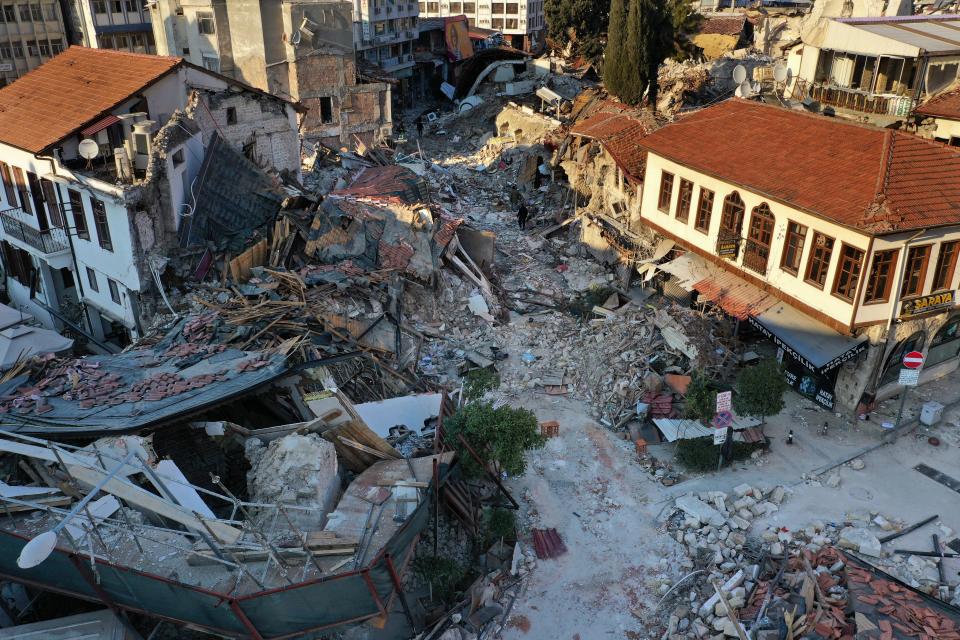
(651, 31)
(582, 24)
(701, 398)
(615, 64)
(501, 435)
(760, 390)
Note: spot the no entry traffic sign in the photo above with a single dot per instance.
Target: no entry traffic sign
(913, 360)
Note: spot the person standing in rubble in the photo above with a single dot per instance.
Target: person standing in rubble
(419, 126)
(515, 195)
(522, 214)
(537, 175)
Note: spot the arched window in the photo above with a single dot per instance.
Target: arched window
(945, 344)
(759, 238)
(733, 210)
(891, 369)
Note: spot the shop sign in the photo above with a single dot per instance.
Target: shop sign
(926, 304)
(727, 248)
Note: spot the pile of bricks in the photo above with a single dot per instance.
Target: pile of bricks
(165, 385)
(187, 349)
(253, 365)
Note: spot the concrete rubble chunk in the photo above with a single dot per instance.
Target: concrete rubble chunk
(857, 464)
(777, 495)
(860, 539)
(742, 490)
(693, 506)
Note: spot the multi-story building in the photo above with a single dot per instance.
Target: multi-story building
(99, 157)
(844, 256)
(30, 33)
(522, 23)
(123, 25)
(384, 35)
(303, 50)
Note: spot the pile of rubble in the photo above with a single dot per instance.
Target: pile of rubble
(809, 572)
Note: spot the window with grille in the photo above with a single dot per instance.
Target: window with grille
(79, 217)
(848, 272)
(205, 23)
(880, 280)
(819, 263)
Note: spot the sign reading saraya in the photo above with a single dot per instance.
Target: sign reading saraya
(923, 304)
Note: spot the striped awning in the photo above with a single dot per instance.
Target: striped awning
(99, 125)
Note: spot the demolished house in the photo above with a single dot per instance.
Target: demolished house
(99, 154)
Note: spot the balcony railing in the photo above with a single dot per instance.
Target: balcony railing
(859, 101)
(755, 256)
(16, 225)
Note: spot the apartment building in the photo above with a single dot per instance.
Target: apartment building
(123, 25)
(30, 34)
(522, 23)
(95, 188)
(300, 50)
(384, 35)
(844, 256)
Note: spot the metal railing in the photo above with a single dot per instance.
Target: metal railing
(860, 101)
(16, 224)
(756, 256)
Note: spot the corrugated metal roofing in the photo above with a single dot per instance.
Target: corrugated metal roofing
(933, 34)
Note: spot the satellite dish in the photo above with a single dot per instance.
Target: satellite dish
(743, 90)
(295, 38)
(780, 73)
(739, 74)
(89, 149)
(37, 550)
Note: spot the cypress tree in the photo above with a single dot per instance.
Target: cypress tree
(614, 60)
(636, 52)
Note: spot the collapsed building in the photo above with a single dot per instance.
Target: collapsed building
(99, 158)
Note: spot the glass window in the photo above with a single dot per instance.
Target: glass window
(205, 23)
(116, 6)
(56, 46)
(733, 210)
(880, 281)
(793, 247)
(496, 23)
(759, 238)
(50, 11)
(915, 271)
(79, 217)
(9, 15)
(36, 12)
(704, 209)
(114, 290)
(92, 279)
(511, 23)
(684, 200)
(848, 272)
(31, 47)
(945, 344)
(130, 6)
(433, 7)
(819, 262)
(5, 52)
(469, 7)
(496, 7)
(513, 8)
(24, 10)
(666, 192)
(946, 264)
(44, 47)
(99, 6)
(8, 188)
(100, 222)
(423, 7)
(456, 8)
(22, 189)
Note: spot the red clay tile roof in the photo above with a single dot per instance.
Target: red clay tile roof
(383, 182)
(723, 25)
(942, 105)
(618, 133)
(71, 91)
(875, 180)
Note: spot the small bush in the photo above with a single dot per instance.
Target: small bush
(443, 574)
(500, 435)
(478, 382)
(700, 454)
(500, 523)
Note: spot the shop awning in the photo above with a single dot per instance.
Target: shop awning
(814, 344)
(674, 429)
(99, 125)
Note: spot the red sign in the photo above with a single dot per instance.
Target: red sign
(913, 360)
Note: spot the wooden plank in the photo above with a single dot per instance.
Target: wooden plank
(259, 555)
(53, 501)
(152, 502)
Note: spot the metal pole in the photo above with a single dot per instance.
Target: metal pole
(395, 578)
(436, 504)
